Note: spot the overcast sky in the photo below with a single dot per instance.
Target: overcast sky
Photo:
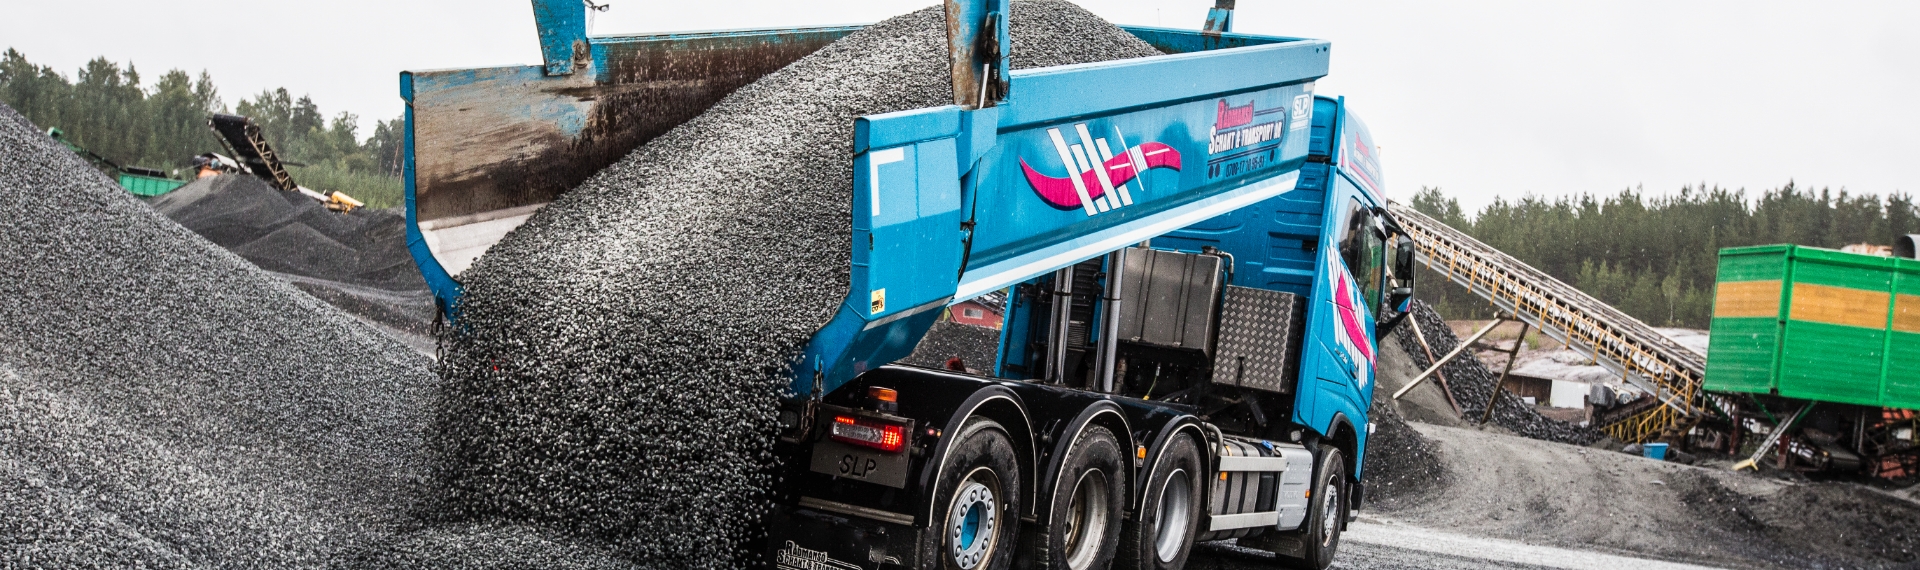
(1478, 98)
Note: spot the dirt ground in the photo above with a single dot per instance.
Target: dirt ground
(1500, 486)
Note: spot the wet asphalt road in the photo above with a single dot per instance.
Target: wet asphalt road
(1372, 544)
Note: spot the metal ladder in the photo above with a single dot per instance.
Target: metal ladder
(1668, 372)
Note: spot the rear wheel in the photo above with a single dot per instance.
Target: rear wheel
(1161, 537)
(1321, 533)
(979, 503)
(1088, 496)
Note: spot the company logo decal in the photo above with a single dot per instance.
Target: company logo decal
(1245, 137)
(793, 557)
(1103, 178)
(1349, 309)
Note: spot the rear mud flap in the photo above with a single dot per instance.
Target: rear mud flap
(805, 539)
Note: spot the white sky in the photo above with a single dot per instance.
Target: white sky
(1480, 98)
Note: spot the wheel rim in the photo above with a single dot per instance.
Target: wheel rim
(1330, 512)
(972, 519)
(1176, 510)
(1087, 516)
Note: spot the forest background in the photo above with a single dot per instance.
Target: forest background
(105, 108)
(1655, 257)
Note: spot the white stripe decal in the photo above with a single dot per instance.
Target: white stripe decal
(1066, 158)
(1139, 160)
(1105, 201)
(995, 278)
(1087, 140)
(874, 160)
(1126, 198)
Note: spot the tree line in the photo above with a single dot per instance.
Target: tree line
(1655, 257)
(106, 108)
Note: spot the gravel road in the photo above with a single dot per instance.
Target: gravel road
(1373, 543)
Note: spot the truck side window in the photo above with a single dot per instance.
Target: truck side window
(1363, 250)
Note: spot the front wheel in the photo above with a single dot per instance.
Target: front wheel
(1321, 534)
(979, 499)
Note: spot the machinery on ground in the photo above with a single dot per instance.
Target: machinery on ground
(255, 156)
(140, 181)
(1197, 273)
(1823, 344)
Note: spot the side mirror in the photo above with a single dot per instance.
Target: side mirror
(1403, 259)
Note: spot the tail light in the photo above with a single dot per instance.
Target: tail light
(882, 435)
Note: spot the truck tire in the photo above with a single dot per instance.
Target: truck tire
(1161, 536)
(977, 498)
(1087, 500)
(1327, 516)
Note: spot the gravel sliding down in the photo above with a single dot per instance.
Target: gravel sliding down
(357, 261)
(977, 347)
(620, 354)
(166, 404)
(1471, 382)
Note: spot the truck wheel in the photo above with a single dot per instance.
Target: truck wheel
(1162, 535)
(1321, 533)
(1088, 497)
(978, 498)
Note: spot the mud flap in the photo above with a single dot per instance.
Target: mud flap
(805, 539)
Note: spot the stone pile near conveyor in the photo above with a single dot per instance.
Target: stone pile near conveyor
(357, 261)
(619, 355)
(166, 404)
(1471, 383)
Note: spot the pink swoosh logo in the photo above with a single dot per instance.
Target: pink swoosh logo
(1059, 193)
(1350, 318)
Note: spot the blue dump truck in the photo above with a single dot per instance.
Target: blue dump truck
(1195, 250)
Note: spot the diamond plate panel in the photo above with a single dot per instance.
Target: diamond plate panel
(1259, 346)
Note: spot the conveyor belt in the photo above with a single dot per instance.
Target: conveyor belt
(244, 140)
(1618, 342)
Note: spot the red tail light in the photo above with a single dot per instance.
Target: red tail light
(882, 435)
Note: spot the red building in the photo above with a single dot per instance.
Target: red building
(982, 311)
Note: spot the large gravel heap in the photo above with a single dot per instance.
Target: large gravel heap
(1471, 382)
(619, 356)
(357, 261)
(166, 404)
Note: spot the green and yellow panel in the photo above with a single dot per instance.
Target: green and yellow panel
(1816, 324)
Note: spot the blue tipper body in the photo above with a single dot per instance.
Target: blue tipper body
(948, 202)
(920, 175)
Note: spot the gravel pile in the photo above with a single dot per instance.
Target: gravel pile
(1402, 466)
(977, 347)
(357, 261)
(619, 358)
(166, 404)
(1471, 382)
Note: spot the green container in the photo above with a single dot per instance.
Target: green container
(1816, 324)
(148, 185)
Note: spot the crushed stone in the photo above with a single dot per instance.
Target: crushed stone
(357, 261)
(1471, 383)
(166, 404)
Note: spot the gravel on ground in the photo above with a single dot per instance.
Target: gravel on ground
(166, 404)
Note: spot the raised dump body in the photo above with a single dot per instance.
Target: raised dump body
(1085, 193)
